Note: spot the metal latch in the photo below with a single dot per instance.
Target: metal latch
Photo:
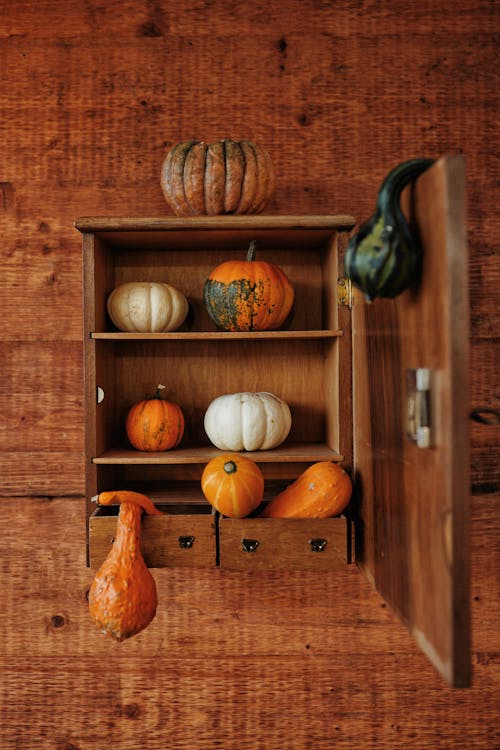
(344, 292)
(418, 401)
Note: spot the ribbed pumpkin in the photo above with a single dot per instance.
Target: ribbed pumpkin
(122, 597)
(155, 424)
(322, 490)
(247, 421)
(147, 306)
(226, 177)
(248, 295)
(233, 485)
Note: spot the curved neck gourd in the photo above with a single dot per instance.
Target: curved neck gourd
(384, 257)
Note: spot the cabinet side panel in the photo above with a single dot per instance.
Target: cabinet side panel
(412, 502)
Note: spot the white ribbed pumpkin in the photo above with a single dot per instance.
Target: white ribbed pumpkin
(247, 421)
(147, 307)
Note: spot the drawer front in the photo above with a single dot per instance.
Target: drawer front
(284, 544)
(170, 541)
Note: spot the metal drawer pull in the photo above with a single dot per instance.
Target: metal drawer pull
(249, 545)
(186, 542)
(318, 545)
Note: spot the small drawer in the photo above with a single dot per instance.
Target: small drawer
(285, 544)
(175, 540)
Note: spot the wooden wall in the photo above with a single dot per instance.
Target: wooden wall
(92, 94)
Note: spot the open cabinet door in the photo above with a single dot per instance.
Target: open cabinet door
(410, 373)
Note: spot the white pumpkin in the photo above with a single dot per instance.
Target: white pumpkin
(247, 421)
(147, 307)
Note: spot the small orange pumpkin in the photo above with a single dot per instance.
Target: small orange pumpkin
(155, 424)
(122, 597)
(322, 490)
(226, 177)
(233, 484)
(248, 295)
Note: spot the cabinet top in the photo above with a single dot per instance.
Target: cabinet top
(87, 224)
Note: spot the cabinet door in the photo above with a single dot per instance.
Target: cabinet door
(413, 501)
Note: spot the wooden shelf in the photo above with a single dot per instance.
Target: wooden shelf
(217, 335)
(295, 452)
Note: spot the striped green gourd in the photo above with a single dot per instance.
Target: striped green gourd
(384, 257)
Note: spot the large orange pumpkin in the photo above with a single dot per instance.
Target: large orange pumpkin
(122, 597)
(233, 484)
(226, 177)
(322, 490)
(155, 424)
(248, 295)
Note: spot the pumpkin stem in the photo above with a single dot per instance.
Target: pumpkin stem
(159, 388)
(230, 467)
(252, 249)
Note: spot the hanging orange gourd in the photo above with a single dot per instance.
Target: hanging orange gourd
(155, 424)
(233, 484)
(122, 597)
(322, 490)
(248, 295)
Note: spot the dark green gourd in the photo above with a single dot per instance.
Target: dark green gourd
(384, 257)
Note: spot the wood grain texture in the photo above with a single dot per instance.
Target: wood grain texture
(92, 95)
(413, 502)
(228, 655)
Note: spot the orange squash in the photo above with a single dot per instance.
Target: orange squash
(248, 295)
(155, 424)
(322, 490)
(233, 484)
(122, 597)
(225, 177)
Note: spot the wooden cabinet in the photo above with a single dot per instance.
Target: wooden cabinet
(304, 364)
(344, 370)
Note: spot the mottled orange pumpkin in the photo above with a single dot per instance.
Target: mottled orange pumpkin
(233, 484)
(122, 597)
(226, 177)
(248, 295)
(322, 490)
(155, 424)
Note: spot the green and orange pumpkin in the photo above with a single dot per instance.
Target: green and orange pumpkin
(248, 295)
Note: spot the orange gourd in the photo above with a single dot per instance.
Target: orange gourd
(225, 177)
(155, 424)
(122, 597)
(248, 295)
(322, 490)
(233, 484)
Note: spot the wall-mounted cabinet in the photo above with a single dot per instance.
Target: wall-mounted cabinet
(352, 378)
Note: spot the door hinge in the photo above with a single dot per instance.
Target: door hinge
(344, 292)
(418, 404)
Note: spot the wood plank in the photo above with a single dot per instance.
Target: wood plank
(413, 501)
(322, 646)
(217, 223)
(161, 539)
(284, 544)
(288, 452)
(217, 335)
